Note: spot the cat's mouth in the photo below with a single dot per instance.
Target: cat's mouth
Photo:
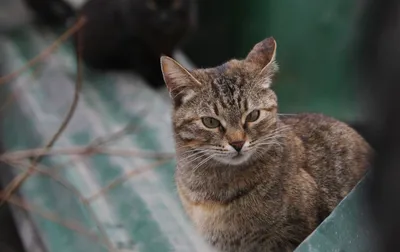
(238, 155)
(234, 159)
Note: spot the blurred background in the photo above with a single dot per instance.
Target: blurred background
(87, 148)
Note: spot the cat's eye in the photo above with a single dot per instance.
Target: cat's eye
(210, 122)
(253, 116)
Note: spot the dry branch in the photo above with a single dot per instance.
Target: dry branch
(125, 177)
(17, 181)
(101, 141)
(44, 53)
(43, 170)
(70, 224)
(130, 153)
(16, 158)
(84, 150)
(71, 188)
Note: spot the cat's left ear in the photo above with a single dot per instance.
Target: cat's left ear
(180, 82)
(263, 56)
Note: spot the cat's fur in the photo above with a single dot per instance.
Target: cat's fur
(51, 12)
(292, 172)
(133, 34)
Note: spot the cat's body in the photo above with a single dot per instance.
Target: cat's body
(273, 204)
(249, 179)
(51, 12)
(133, 34)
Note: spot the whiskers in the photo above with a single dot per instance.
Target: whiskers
(199, 165)
(198, 157)
(201, 156)
(273, 139)
(192, 155)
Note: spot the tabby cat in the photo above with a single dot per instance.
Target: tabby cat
(250, 179)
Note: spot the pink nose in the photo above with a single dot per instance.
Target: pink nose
(237, 145)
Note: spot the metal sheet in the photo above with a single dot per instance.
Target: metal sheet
(142, 214)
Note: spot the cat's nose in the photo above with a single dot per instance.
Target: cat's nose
(237, 145)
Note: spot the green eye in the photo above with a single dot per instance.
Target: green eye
(210, 122)
(253, 116)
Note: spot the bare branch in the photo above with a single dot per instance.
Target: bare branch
(70, 224)
(130, 153)
(18, 180)
(43, 170)
(97, 147)
(71, 188)
(84, 150)
(125, 177)
(44, 53)
(128, 129)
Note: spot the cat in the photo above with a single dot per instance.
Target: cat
(250, 179)
(52, 12)
(133, 34)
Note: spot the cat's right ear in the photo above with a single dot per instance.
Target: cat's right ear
(180, 82)
(263, 56)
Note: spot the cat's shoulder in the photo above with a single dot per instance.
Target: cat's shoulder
(307, 124)
(309, 119)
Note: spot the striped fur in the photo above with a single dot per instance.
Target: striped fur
(292, 170)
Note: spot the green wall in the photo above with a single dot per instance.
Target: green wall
(314, 42)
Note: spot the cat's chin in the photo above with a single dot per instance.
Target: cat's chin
(235, 160)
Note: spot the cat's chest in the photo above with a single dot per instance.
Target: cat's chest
(238, 227)
(209, 217)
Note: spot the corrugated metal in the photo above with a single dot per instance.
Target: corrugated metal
(142, 214)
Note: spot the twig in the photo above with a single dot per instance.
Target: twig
(131, 153)
(12, 96)
(67, 185)
(101, 141)
(17, 181)
(84, 150)
(46, 172)
(70, 224)
(44, 53)
(125, 177)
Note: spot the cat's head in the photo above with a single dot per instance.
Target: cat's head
(165, 16)
(227, 113)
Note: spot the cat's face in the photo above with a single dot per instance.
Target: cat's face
(228, 113)
(165, 16)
